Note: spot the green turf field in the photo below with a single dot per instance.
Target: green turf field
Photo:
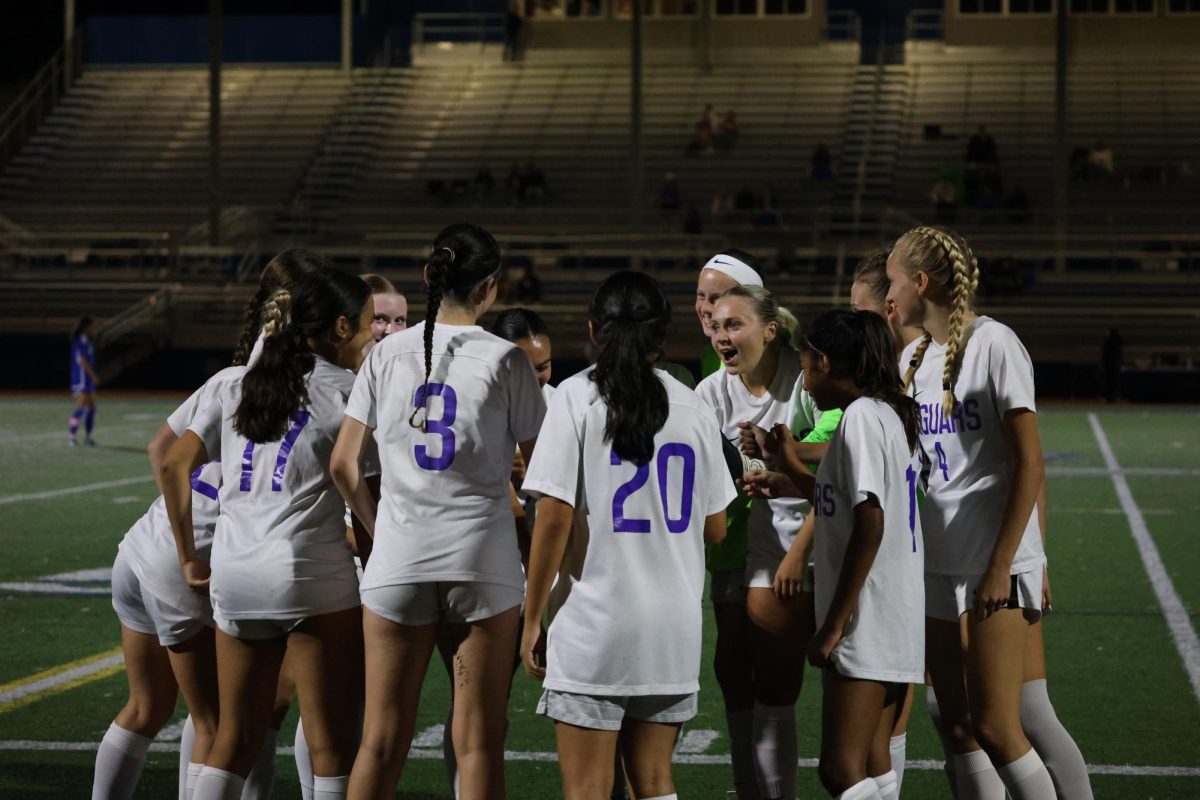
(1116, 675)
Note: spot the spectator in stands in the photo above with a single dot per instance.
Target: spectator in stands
(944, 197)
(1100, 160)
(529, 288)
(693, 222)
(727, 132)
(1112, 356)
(981, 148)
(822, 163)
(512, 34)
(1016, 206)
(535, 183)
(987, 203)
(516, 183)
(702, 134)
(721, 206)
(668, 193)
(484, 183)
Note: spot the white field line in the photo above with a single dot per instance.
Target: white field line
(430, 737)
(47, 587)
(87, 487)
(1172, 606)
(696, 741)
(171, 733)
(26, 745)
(62, 434)
(56, 678)
(1139, 472)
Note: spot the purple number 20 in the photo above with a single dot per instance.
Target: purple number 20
(439, 427)
(623, 524)
(299, 420)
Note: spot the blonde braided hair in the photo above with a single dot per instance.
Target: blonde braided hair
(946, 258)
(276, 313)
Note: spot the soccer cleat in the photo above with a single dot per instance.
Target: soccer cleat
(90, 442)
(71, 442)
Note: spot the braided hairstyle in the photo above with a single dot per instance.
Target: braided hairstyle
(860, 344)
(274, 389)
(630, 316)
(463, 257)
(872, 273)
(947, 259)
(283, 271)
(767, 310)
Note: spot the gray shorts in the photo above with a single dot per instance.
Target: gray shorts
(607, 712)
(142, 612)
(728, 586)
(948, 597)
(449, 601)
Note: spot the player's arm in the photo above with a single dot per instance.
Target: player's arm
(789, 578)
(345, 467)
(860, 555)
(87, 368)
(551, 531)
(357, 536)
(714, 528)
(524, 536)
(526, 448)
(1047, 597)
(175, 479)
(156, 451)
(1029, 476)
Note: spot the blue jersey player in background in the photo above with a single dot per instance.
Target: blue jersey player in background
(83, 381)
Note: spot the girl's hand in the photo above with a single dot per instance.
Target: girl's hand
(197, 574)
(1047, 596)
(769, 485)
(755, 442)
(992, 593)
(820, 649)
(789, 578)
(533, 651)
(518, 468)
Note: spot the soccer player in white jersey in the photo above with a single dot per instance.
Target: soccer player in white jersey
(282, 575)
(973, 382)
(760, 386)
(632, 487)
(448, 403)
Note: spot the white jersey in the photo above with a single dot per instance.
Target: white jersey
(150, 545)
(280, 547)
(548, 394)
(966, 454)
(869, 456)
(773, 524)
(444, 510)
(626, 610)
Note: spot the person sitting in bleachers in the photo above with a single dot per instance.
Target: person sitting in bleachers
(822, 163)
(981, 148)
(727, 132)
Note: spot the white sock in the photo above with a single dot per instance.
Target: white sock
(888, 785)
(187, 740)
(775, 750)
(304, 767)
(1057, 749)
(935, 714)
(262, 774)
(1027, 778)
(898, 747)
(448, 758)
(741, 752)
(664, 797)
(330, 788)
(217, 784)
(863, 790)
(119, 763)
(193, 774)
(976, 778)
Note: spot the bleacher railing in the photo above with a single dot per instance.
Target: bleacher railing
(926, 25)
(456, 29)
(843, 26)
(39, 97)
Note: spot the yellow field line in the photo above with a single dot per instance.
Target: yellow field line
(62, 678)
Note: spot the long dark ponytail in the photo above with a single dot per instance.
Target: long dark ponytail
(630, 316)
(284, 271)
(273, 390)
(860, 343)
(463, 257)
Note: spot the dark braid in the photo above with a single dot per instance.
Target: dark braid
(463, 257)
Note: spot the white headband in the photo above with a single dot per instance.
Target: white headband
(735, 268)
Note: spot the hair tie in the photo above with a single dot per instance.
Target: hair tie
(945, 386)
(448, 250)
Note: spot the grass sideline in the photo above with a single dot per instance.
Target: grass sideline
(1116, 678)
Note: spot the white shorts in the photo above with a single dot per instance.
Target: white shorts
(761, 574)
(142, 612)
(948, 597)
(445, 601)
(607, 712)
(257, 629)
(728, 586)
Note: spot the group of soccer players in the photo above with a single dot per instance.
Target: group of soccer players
(353, 494)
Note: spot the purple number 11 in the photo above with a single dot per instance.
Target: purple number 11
(299, 420)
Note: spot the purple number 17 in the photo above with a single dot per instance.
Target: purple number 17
(299, 420)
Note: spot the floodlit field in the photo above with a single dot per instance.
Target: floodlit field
(1122, 616)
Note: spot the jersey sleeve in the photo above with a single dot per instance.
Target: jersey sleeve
(361, 404)
(206, 423)
(526, 405)
(1010, 372)
(865, 451)
(827, 422)
(554, 469)
(718, 489)
(180, 417)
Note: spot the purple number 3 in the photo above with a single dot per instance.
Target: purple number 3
(439, 427)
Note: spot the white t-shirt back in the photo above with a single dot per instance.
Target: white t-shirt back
(966, 454)
(773, 524)
(280, 547)
(869, 456)
(444, 510)
(626, 609)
